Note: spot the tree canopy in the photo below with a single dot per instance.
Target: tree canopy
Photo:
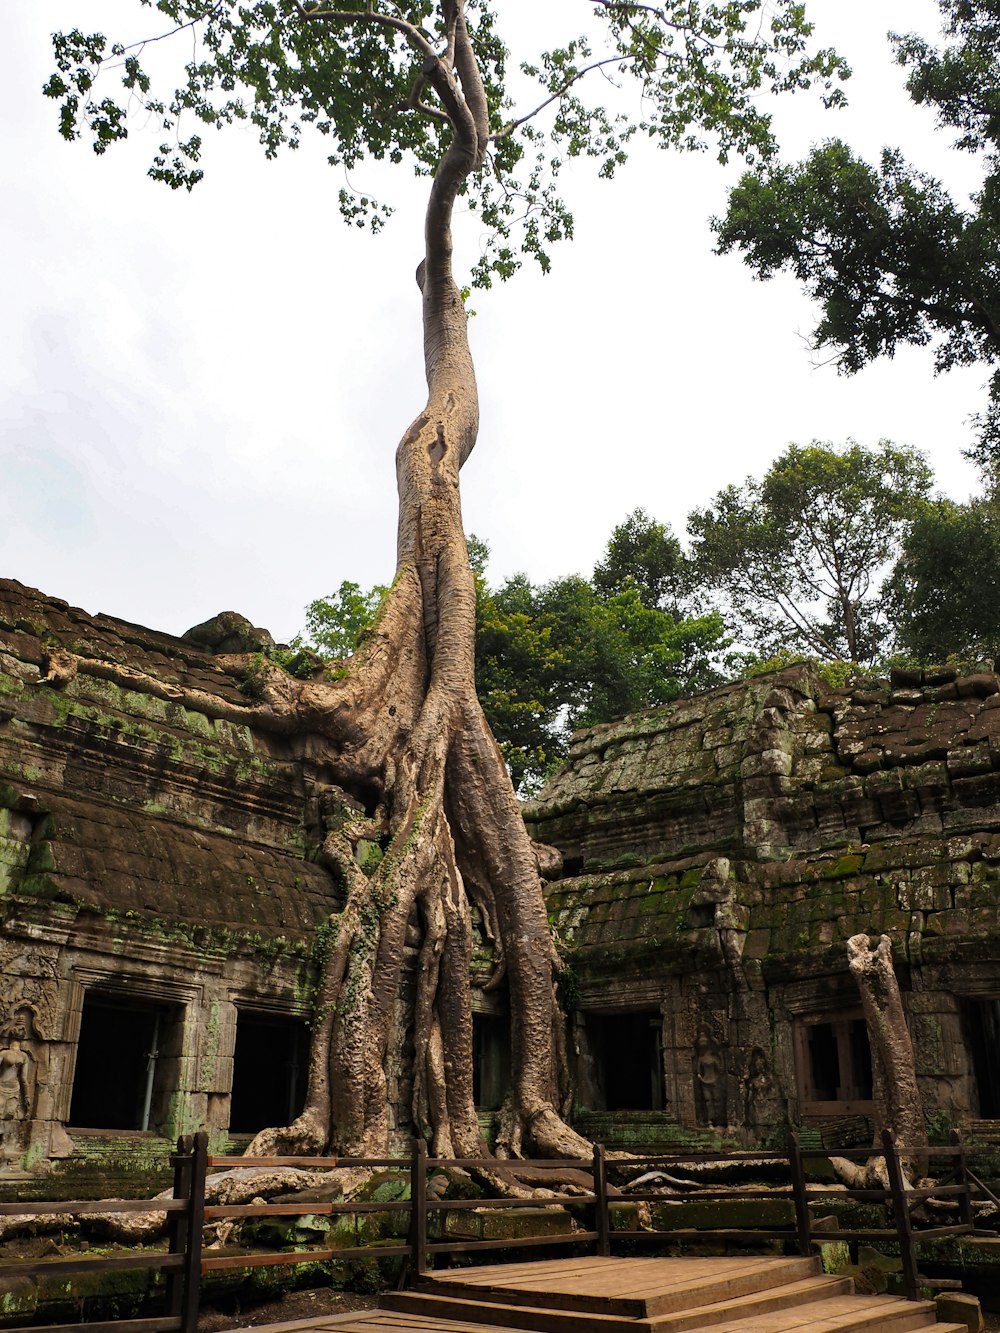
(945, 590)
(887, 253)
(648, 555)
(376, 81)
(801, 555)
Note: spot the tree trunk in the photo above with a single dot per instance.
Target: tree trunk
(415, 731)
(894, 1075)
(402, 725)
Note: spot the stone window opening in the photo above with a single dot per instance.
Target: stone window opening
(126, 1063)
(626, 1051)
(490, 1060)
(270, 1071)
(981, 1026)
(834, 1062)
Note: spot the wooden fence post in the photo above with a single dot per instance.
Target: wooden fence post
(799, 1197)
(602, 1218)
(901, 1211)
(178, 1224)
(196, 1220)
(962, 1175)
(418, 1207)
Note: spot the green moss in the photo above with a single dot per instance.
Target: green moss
(851, 864)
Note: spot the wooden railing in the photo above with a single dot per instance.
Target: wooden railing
(606, 1212)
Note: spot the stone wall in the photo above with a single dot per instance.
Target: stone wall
(155, 865)
(722, 849)
(162, 892)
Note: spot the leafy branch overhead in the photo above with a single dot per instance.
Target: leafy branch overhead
(889, 255)
(377, 81)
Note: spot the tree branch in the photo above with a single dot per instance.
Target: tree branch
(412, 34)
(555, 97)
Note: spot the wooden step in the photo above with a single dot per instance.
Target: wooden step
(842, 1314)
(786, 1296)
(632, 1288)
(540, 1319)
(387, 1321)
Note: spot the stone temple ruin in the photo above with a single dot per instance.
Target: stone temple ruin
(160, 906)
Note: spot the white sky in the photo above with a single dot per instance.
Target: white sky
(201, 395)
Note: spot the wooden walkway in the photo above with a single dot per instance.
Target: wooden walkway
(598, 1295)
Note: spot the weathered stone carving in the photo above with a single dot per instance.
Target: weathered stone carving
(18, 1082)
(710, 1080)
(758, 1087)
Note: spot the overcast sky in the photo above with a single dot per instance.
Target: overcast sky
(201, 394)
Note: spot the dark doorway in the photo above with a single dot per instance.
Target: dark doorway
(627, 1052)
(981, 1023)
(490, 1060)
(126, 1063)
(835, 1064)
(270, 1069)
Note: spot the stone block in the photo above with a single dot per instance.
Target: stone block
(507, 1223)
(959, 1307)
(979, 686)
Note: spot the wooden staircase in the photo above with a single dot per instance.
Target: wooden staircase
(691, 1295)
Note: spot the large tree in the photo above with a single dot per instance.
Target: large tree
(884, 249)
(945, 587)
(399, 724)
(802, 554)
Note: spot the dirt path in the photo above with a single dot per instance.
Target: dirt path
(318, 1301)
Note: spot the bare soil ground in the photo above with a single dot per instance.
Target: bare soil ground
(315, 1302)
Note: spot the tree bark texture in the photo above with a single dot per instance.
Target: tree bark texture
(894, 1075)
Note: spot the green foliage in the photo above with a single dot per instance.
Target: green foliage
(946, 584)
(358, 77)
(335, 624)
(889, 256)
(648, 554)
(297, 660)
(560, 656)
(557, 656)
(801, 555)
(253, 681)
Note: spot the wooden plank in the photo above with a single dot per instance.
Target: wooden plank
(32, 1208)
(401, 1164)
(362, 1319)
(304, 1163)
(44, 1267)
(759, 1302)
(211, 1262)
(304, 1209)
(161, 1325)
(444, 1205)
(509, 1243)
(857, 1313)
(535, 1318)
(610, 1286)
(541, 1319)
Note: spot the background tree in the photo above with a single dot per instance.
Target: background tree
(334, 624)
(945, 590)
(425, 81)
(648, 555)
(888, 254)
(801, 556)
